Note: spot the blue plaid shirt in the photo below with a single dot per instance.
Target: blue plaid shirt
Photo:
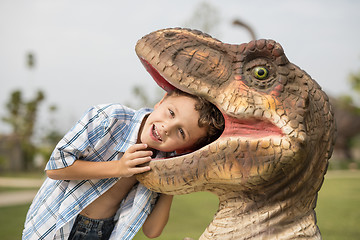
(102, 134)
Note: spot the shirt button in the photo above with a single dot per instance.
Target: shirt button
(76, 207)
(86, 222)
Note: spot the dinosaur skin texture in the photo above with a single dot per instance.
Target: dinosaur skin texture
(269, 163)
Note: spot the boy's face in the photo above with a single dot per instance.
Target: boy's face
(173, 125)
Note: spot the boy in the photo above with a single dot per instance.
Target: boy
(91, 190)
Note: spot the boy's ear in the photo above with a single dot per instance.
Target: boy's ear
(156, 105)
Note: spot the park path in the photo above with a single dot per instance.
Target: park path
(12, 198)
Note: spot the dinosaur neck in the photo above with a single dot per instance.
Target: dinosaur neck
(238, 218)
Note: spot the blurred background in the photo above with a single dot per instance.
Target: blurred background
(58, 58)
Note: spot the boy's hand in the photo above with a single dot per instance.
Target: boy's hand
(134, 156)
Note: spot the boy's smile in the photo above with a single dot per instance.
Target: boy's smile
(155, 134)
(173, 125)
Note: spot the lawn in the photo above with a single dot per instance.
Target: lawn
(337, 210)
(12, 221)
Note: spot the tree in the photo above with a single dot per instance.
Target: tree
(354, 79)
(50, 135)
(142, 97)
(347, 115)
(22, 118)
(240, 23)
(205, 18)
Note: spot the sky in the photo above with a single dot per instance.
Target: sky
(84, 49)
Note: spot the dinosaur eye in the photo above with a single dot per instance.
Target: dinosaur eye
(261, 73)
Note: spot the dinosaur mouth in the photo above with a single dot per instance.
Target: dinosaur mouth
(250, 128)
(160, 80)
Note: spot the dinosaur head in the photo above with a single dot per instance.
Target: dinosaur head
(279, 126)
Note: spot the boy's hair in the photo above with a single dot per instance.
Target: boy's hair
(210, 117)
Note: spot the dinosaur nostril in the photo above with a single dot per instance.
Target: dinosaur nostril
(169, 34)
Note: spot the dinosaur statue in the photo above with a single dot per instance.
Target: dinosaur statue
(269, 163)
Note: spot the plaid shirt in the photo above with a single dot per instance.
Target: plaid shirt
(103, 134)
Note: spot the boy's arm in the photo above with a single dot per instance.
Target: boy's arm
(158, 218)
(126, 166)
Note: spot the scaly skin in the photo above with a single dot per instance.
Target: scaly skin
(270, 161)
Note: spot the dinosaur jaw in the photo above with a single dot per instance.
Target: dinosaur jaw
(255, 128)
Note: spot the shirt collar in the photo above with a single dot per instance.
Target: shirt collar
(132, 130)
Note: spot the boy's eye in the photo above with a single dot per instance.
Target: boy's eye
(171, 112)
(181, 131)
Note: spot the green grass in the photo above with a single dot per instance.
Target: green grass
(189, 216)
(31, 174)
(337, 210)
(12, 221)
(16, 189)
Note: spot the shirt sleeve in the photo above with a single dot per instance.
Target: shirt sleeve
(81, 141)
